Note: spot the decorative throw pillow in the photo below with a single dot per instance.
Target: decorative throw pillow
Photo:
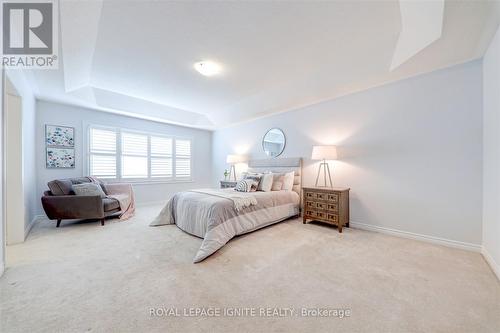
(288, 181)
(88, 189)
(255, 177)
(245, 185)
(266, 182)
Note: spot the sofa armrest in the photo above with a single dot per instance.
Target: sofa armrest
(73, 207)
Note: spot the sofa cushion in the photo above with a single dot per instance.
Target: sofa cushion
(65, 186)
(88, 189)
(110, 204)
(61, 187)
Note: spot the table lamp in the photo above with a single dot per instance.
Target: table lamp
(324, 153)
(233, 160)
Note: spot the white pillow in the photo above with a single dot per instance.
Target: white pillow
(87, 189)
(266, 182)
(288, 181)
(277, 185)
(278, 179)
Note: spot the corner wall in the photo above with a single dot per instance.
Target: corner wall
(411, 152)
(491, 155)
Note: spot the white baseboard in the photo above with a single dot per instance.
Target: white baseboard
(420, 237)
(495, 267)
(28, 228)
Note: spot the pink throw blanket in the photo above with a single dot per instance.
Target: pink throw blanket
(125, 196)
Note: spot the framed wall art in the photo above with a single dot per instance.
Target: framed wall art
(60, 158)
(59, 147)
(59, 136)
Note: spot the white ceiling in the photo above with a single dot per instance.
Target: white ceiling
(136, 57)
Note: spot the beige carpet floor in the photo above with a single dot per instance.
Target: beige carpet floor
(84, 277)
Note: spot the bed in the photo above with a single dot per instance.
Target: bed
(219, 215)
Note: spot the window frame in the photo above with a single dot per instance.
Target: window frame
(89, 145)
(149, 179)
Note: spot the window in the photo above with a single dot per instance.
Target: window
(161, 157)
(183, 158)
(134, 155)
(102, 153)
(124, 154)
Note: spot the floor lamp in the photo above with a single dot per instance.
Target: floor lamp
(324, 153)
(233, 160)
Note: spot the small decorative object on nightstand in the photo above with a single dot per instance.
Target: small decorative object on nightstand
(227, 184)
(329, 205)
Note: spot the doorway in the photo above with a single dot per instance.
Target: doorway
(14, 209)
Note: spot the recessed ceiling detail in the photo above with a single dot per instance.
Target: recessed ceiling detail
(421, 25)
(79, 29)
(136, 57)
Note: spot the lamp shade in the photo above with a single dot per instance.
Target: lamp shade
(324, 153)
(233, 159)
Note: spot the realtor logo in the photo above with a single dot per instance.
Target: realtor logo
(29, 34)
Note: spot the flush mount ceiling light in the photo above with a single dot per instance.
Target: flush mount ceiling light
(208, 68)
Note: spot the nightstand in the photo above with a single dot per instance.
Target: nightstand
(227, 183)
(327, 204)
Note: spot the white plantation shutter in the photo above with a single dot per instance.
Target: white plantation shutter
(125, 154)
(182, 158)
(161, 157)
(102, 147)
(134, 155)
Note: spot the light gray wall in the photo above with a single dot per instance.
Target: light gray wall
(22, 85)
(491, 170)
(411, 151)
(60, 114)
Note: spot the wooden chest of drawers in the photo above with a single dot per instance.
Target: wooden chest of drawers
(327, 204)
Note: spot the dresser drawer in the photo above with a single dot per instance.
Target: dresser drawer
(315, 213)
(321, 205)
(320, 215)
(332, 218)
(310, 204)
(333, 197)
(332, 207)
(315, 205)
(321, 196)
(310, 195)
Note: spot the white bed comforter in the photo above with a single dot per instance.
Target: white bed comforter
(213, 216)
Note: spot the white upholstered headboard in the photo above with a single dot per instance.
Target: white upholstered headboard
(280, 165)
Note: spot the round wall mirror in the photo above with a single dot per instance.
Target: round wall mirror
(273, 142)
